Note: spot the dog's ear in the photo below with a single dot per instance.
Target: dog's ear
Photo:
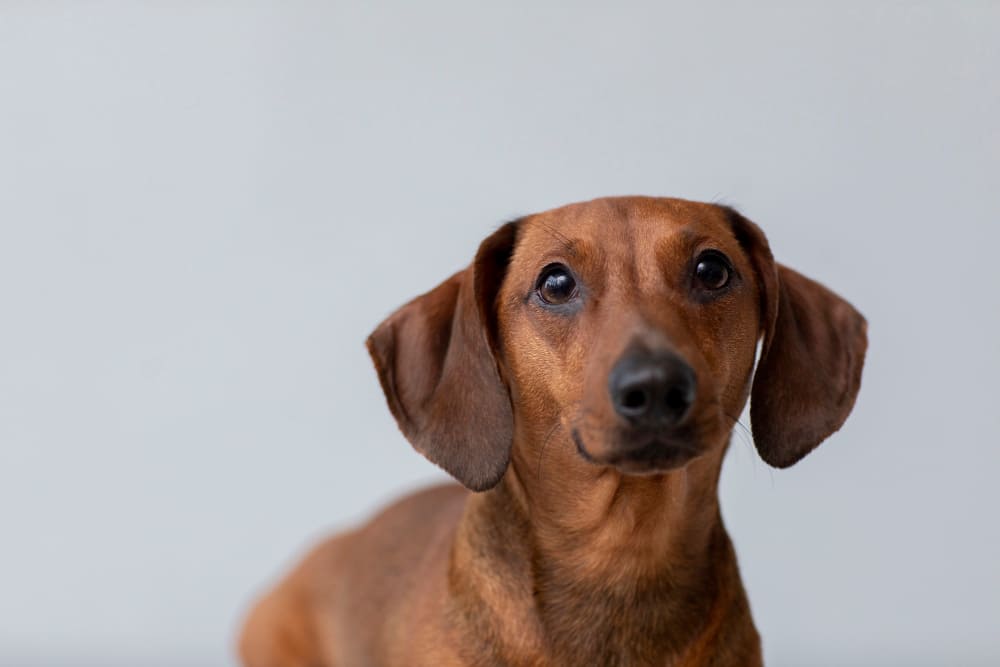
(436, 359)
(809, 371)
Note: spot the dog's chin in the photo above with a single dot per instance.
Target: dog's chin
(651, 456)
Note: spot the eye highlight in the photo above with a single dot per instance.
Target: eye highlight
(712, 271)
(556, 285)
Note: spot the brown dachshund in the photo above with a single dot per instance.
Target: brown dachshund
(583, 377)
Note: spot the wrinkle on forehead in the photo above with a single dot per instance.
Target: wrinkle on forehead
(622, 220)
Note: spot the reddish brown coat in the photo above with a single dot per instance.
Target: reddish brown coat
(564, 558)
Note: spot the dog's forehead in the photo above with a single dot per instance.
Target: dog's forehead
(621, 225)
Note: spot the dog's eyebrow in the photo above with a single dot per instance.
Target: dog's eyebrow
(571, 247)
(687, 237)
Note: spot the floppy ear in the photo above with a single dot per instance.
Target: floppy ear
(809, 371)
(436, 361)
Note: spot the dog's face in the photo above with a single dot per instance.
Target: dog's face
(624, 328)
(631, 326)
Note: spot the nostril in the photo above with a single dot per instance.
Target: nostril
(652, 390)
(634, 399)
(677, 399)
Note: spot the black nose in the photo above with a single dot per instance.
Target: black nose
(652, 389)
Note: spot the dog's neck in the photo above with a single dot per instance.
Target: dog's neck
(613, 567)
(612, 526)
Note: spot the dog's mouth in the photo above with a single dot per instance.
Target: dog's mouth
(643, 455)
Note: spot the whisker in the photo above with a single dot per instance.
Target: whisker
(548, 437)
(745, 435)
(545, 444)
(557, 235)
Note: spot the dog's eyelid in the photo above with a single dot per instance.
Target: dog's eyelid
(560, 303)
(713, 252)
(549, 261)
(705, 293)
(550, 266)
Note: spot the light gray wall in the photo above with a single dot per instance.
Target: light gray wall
(206, 206)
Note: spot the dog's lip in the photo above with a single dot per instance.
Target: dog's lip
(655, 453)
(578, 441)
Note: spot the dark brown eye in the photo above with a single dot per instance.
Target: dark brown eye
(556, 285)
(712, 272)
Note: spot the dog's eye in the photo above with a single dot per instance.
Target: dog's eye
(556, 285)
(712, 271)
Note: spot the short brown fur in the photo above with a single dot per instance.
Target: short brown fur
(571, 553)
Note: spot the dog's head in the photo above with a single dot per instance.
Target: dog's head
(629, 326)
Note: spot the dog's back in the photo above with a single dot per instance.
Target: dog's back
(383, 572)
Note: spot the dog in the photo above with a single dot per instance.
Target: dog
(581, 380)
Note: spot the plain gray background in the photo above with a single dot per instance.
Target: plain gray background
(206, 206)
